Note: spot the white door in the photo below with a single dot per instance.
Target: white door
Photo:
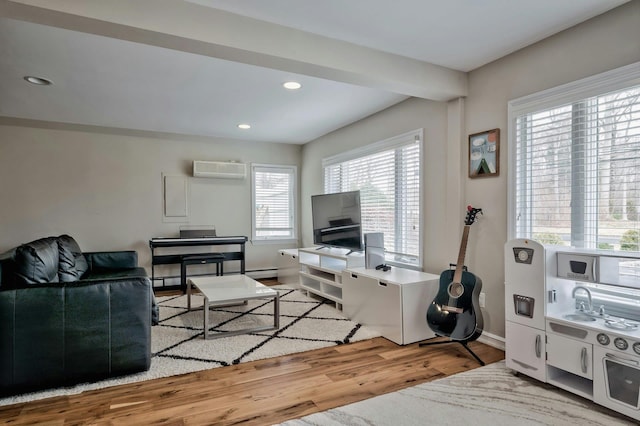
(570, 355)
(525, 350)
(374, 303)
(616, 381)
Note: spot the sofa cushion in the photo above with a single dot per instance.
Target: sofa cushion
(37, 262)
(130, 273)
(72, 264)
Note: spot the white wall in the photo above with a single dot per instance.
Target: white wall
(603, 43)
(106, 190)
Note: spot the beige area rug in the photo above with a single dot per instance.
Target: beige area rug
(486, 396)
(178, 346)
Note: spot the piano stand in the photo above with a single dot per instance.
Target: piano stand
(176, 251)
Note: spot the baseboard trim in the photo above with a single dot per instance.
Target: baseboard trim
(492, 340)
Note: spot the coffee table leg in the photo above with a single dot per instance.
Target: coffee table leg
(205, 312)
(188, 295)
(276, 311)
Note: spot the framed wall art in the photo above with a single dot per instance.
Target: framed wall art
(484, 154)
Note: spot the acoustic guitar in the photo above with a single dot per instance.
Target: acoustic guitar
(455, 311)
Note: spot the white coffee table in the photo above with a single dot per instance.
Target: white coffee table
(228, 289)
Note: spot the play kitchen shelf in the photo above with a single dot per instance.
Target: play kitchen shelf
(321, 270)
(579, 353)
(573, 320)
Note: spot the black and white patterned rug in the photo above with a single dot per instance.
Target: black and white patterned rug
(305, 323)
(178, 346)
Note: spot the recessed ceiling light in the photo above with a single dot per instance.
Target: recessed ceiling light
(244, 126)
(38, 80)
(292, 85)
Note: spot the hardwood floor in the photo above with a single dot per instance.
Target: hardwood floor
(261, 392)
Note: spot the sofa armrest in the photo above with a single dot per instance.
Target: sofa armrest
(7, 269)
(105, 260)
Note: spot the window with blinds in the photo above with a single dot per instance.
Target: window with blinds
(387, 174)
(273, 202)
(576, 166)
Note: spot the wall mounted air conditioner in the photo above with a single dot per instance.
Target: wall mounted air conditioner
(219, 169)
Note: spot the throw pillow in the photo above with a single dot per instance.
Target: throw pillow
(72, 264)
(37, 262)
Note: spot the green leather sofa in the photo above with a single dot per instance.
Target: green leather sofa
(68, 317)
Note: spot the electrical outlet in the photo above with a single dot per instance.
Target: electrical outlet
(481, 299)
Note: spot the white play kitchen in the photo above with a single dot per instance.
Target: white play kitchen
(572, 320)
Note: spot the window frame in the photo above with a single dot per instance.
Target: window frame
(293, 203)
(392, 143)
(570, 93)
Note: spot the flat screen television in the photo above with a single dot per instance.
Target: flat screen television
(336, 220)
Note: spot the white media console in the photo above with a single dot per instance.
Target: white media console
(392, 302)
(321, 270)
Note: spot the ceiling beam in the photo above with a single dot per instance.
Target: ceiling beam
(189, 27)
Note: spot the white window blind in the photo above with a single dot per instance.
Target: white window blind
(273, 202)
(577, 163)
(388, 176)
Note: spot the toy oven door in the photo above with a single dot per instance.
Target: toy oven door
(622, 379)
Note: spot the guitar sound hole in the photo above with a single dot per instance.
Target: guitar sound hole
(455, 290)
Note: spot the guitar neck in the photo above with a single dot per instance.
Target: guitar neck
(457, 276)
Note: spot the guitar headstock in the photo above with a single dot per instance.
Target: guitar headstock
(471, 215)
